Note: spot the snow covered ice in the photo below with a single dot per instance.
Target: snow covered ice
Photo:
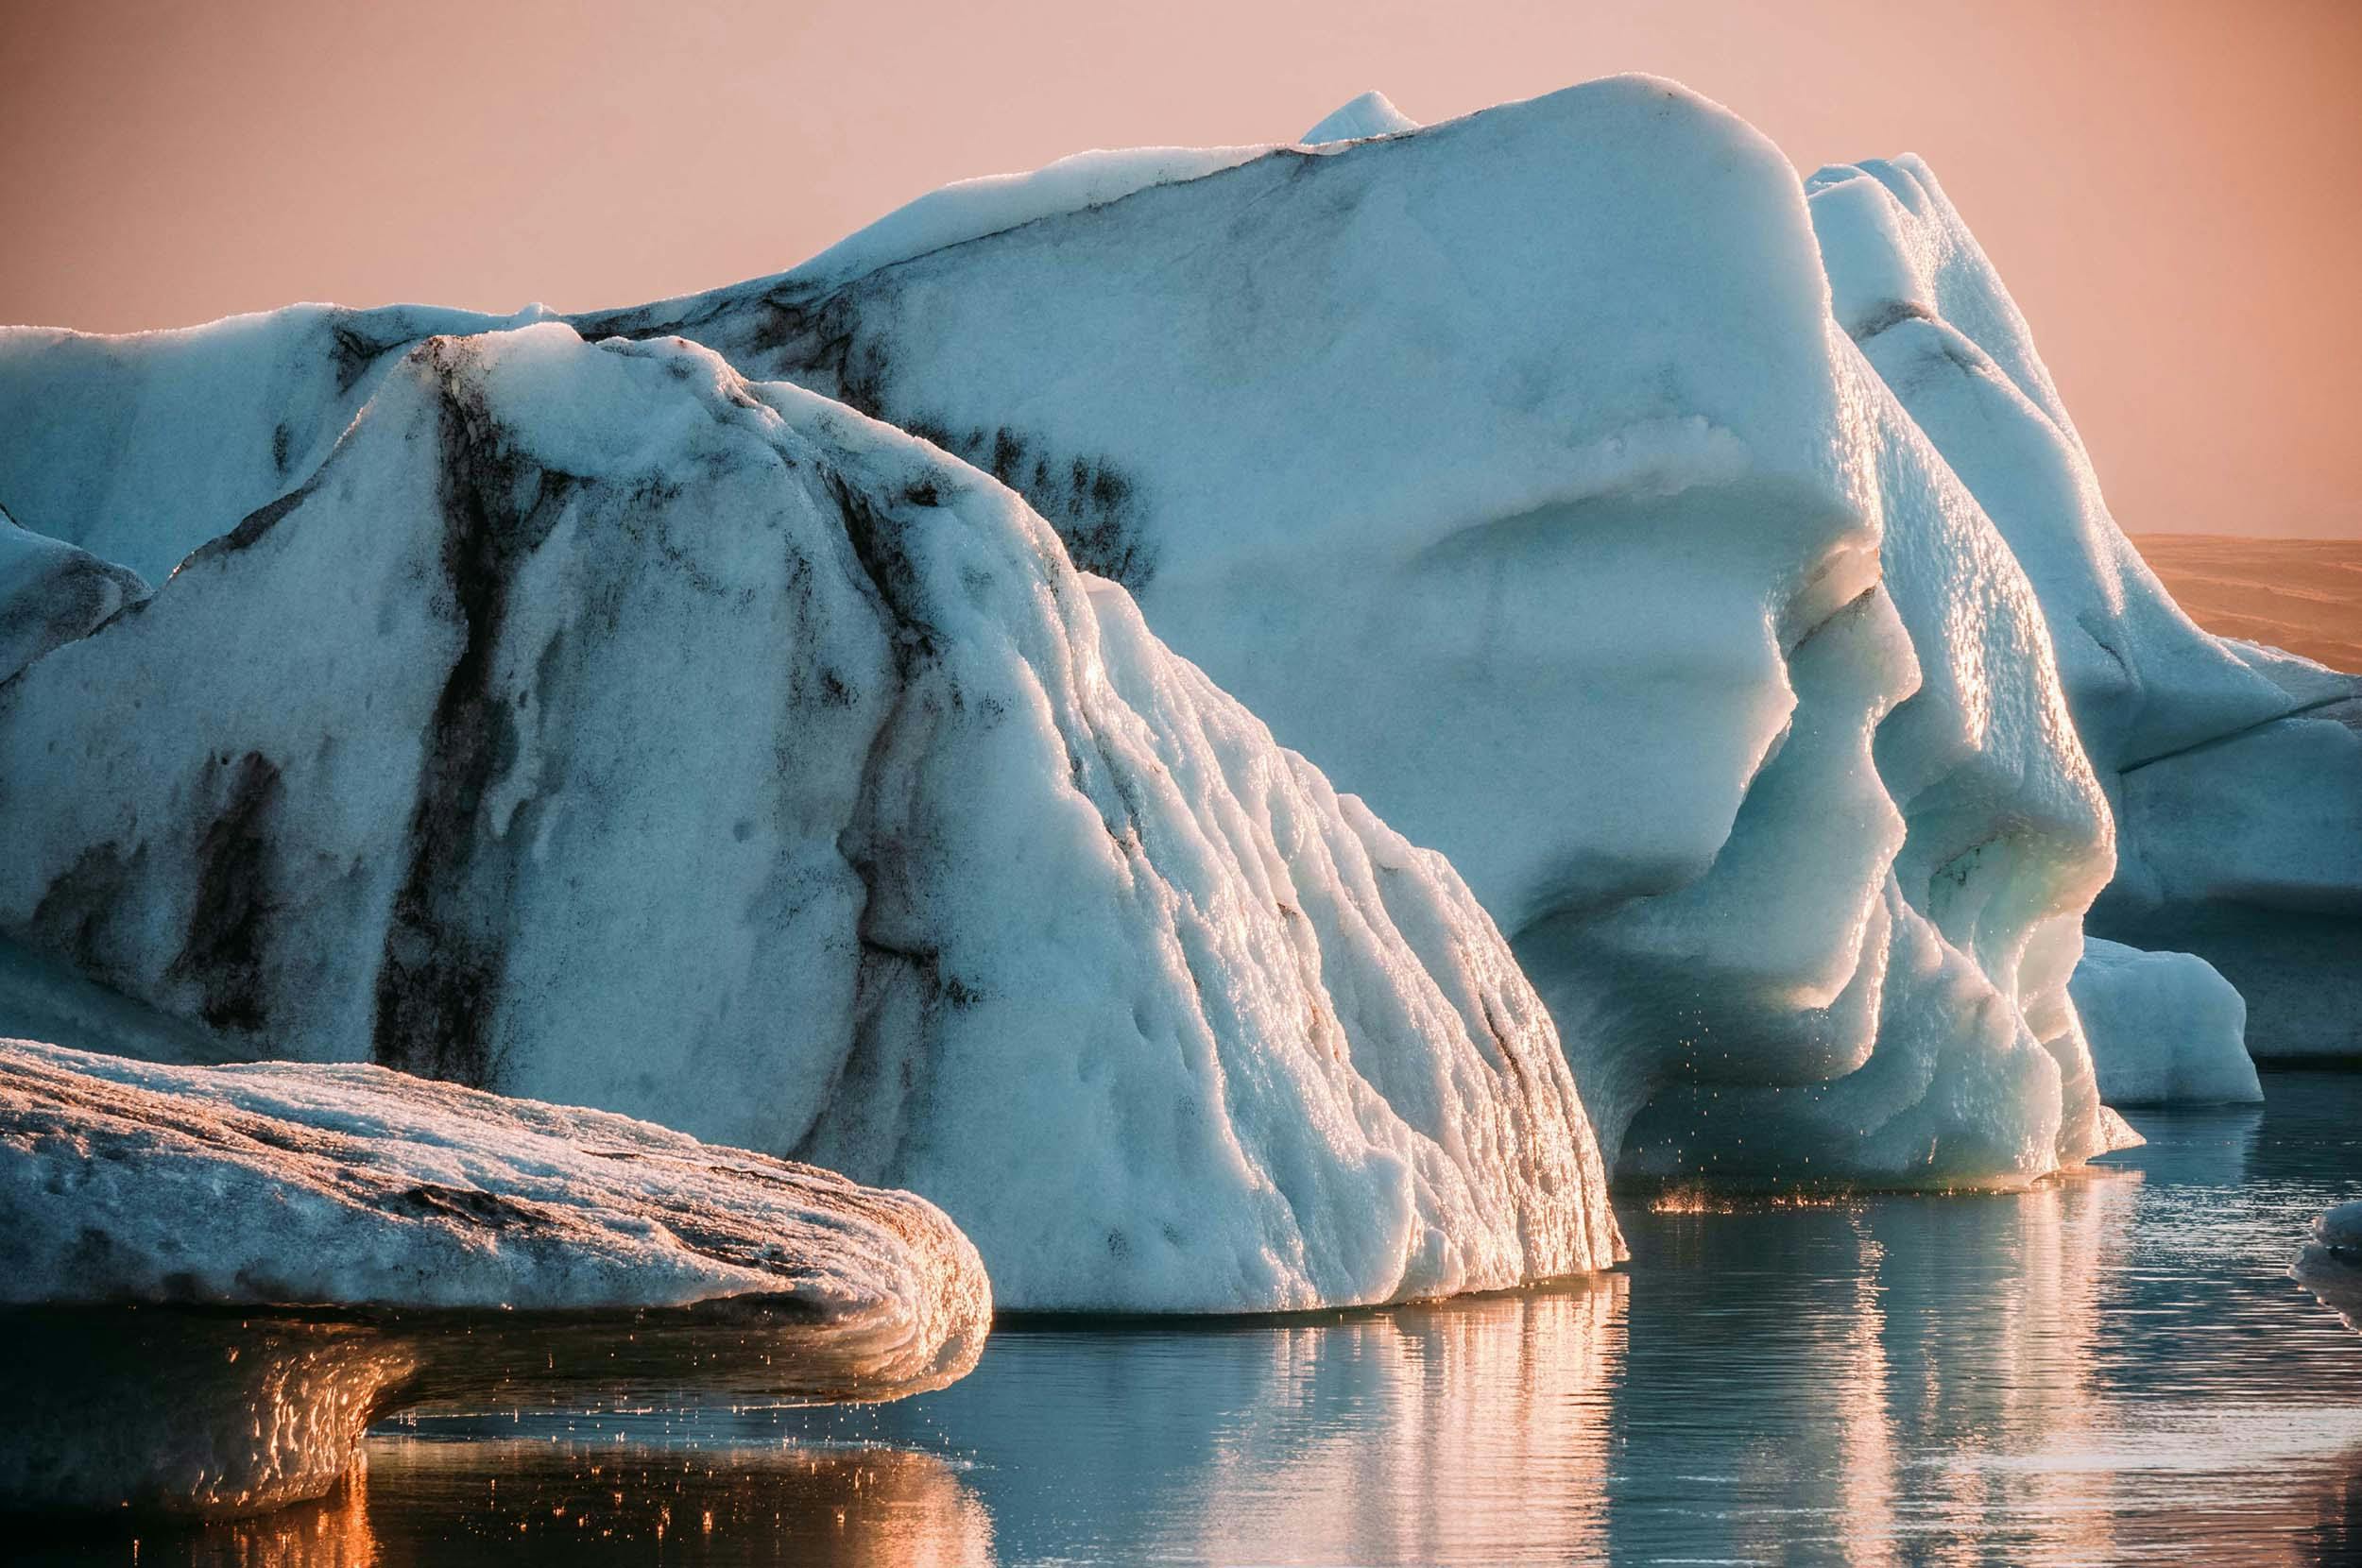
(596, 726)
(281, 1183)
(1371, 114)
(412, 1208)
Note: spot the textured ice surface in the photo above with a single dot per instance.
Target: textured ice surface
(2164, 1028)
(51, 592)
(2331, 1264)
(1735, 653)
(1549, 511)
(184, 1228)
(140, 447)
(2248, 850)
(280, 1183)
(596, 725)
(2235, 772)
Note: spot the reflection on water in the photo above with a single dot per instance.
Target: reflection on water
(269, 1405)
(488, 1501)
(2113, 1367)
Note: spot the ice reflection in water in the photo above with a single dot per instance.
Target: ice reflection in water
(1847, 1369)
(2111, 1369)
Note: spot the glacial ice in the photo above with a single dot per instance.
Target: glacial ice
(50, 593)
(139, 449)
(2165, 1027)
(2331, 1264)
(596, 725)
(1371, 114)
(281, 1183)
(1554, 512)
(2234, 773)
(299, 1251)
(1547, 510)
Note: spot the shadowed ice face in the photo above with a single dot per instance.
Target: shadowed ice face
(1641, 729)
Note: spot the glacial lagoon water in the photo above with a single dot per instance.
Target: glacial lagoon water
(2113, 1367)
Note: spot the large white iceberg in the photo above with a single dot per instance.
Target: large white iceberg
(596, 725)
(1514, 470)
(1554, 512)
(2235, 772)
(1547, 510)
(296, 1251)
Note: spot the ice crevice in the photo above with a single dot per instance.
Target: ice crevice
(2299, 711)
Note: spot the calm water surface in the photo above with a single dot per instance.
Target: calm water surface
(2111, 1369)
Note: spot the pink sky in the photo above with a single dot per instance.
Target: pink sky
(2173, 190)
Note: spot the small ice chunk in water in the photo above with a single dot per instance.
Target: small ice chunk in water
(2331, 1264)
(2165, 1027)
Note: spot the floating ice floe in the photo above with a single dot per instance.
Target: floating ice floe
(596, 725)
(213, 1279)
(2331, 1264)
(2165, 1027)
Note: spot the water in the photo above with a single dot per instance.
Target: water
(2111, 1369)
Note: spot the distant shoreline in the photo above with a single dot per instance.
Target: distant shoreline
(2305, 595)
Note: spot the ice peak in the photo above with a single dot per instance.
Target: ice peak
(1371, 114)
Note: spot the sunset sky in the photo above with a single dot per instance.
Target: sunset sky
(2172, 190)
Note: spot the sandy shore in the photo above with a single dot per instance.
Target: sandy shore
(2305, 595)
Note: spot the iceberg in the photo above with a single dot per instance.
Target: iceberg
(594, 724)
(139, 449)
(2234, 772)
(1712, 573)
(2331, 1264)
(1515, 470)
(1550, 512)
(300, 1250)
(2165, 1027)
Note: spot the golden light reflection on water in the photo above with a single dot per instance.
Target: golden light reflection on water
(2083, 1372)
(1870, 1370)
(2000, 1354)
(428, 1502)
(1471, 1415)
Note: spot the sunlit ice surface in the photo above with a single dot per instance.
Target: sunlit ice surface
(2109, 1368)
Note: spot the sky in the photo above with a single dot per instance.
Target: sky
(2172, 189)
